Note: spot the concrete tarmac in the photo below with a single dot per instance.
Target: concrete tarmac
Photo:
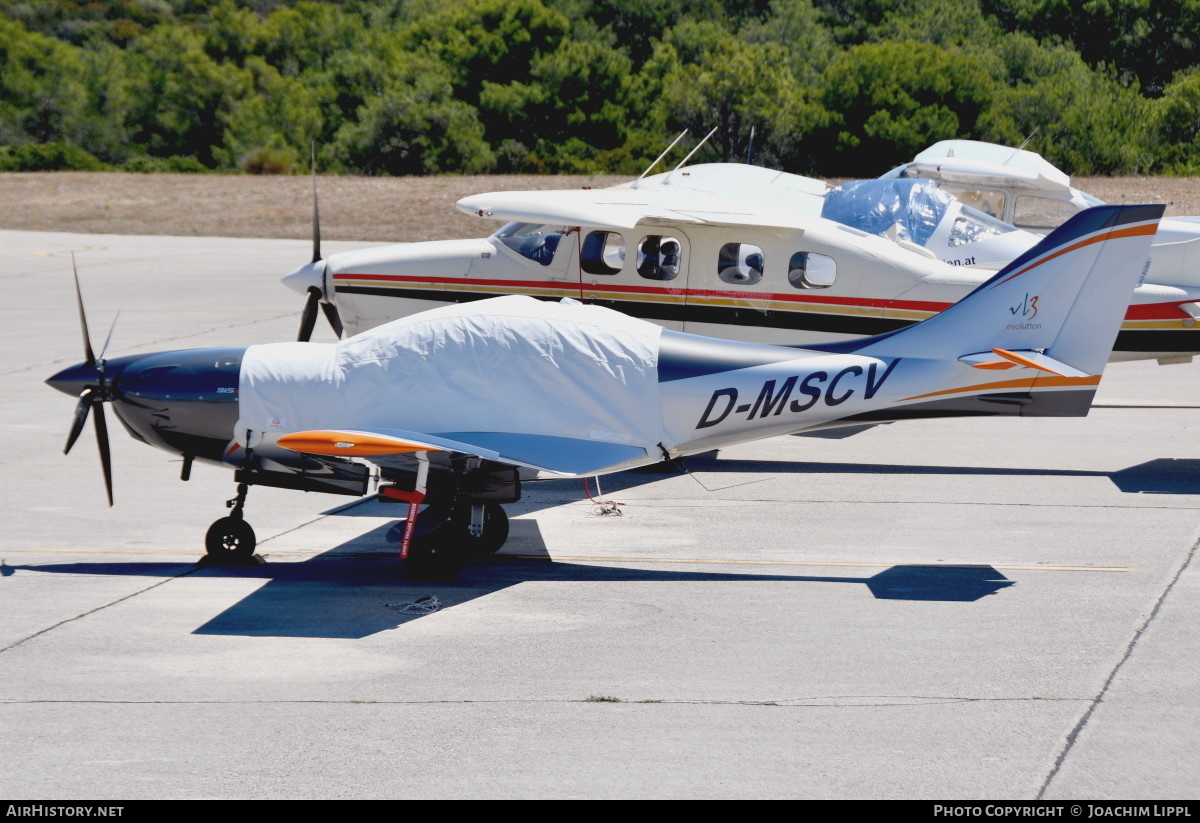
(992, 609)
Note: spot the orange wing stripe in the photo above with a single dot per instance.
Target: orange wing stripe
(349, 444)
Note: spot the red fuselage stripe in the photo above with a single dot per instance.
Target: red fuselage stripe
(1144, 311)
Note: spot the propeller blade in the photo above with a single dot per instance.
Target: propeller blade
(87, 342)
(81, 414)
(108, 339)
(316, 210)
(334, 318)
(102, 442)
(308, 315)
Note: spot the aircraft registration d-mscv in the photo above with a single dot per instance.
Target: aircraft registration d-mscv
(455, 408)
(727, 250)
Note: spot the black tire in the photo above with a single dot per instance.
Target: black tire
(495, 530)
(230, 539)
(441, 553)
(435, 555)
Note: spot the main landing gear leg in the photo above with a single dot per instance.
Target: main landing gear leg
(451, 530)
(467, 531)
(230, 540)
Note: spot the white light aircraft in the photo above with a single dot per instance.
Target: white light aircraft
(456, 407)
(732, 251)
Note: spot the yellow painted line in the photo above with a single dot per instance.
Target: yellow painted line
(584, 558)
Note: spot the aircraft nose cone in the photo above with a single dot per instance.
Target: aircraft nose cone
(72, 379)
(300, 280)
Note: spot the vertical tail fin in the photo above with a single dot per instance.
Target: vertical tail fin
(1061, 302)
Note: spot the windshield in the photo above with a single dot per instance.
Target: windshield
(901, 209)
(972, 224)
(907, 210)
(536, 241)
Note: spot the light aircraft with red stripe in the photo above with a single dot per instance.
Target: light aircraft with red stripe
(732, 251)
(451, 410)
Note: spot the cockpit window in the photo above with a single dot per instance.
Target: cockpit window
(536, 241)
(972, 225)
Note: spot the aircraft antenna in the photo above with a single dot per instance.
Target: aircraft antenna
(1032, 135)
(693, 151)
(750, 149)
(661, 156)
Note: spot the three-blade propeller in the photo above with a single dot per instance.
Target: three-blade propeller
(93, 395)
(313, 296)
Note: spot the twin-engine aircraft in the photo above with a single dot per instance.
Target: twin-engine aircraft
(454, 408)
(734, 251)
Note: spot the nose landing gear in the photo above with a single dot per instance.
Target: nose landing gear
(230, 541)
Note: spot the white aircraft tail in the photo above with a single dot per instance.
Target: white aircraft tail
(1057, 307)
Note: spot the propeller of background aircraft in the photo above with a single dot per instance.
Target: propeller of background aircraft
(314, 274)
(94, 393)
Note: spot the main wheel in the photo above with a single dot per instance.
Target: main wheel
(230, 539)
(435, 555)
(495, 530)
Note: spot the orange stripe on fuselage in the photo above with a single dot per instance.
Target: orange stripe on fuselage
(1131, 231)
(1025, 383)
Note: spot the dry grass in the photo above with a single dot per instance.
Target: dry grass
(352, 208)
(214, 205)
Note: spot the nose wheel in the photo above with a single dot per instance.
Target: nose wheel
(230, 541)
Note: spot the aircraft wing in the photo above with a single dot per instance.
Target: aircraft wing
(624, 208)
(562, 456)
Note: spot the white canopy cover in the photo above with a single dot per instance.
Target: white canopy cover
(510, 364)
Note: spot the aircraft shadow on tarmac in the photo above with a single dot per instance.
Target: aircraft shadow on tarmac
(360, 588)
(1161, 476)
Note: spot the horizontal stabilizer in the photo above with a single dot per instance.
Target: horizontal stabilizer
(1002, 359)
(566, 456)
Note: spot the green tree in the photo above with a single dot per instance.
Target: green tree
(42, 97)
(713, 79)
(571, 117)
(493, 41)
(796, 27)
(414, 125)
(890, 100)
(268, 111)
(1176, 124)
(1148, 40)
(1086, 121)
(182, 96)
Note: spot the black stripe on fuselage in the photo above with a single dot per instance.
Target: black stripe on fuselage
(1046, 403)
(1129, 340)
(677, 312)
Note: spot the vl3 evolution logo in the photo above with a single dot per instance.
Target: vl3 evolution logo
(1026, 310)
